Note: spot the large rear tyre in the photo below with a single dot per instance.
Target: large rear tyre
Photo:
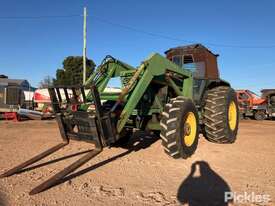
(179, 128)
(221, 115)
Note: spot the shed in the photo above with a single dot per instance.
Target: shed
(12, 93)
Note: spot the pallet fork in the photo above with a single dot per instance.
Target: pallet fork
(81, 127)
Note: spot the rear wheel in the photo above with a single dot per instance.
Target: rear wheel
(259, 115)
(179, 128)
(220, 115)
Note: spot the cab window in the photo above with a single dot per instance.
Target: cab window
(177, 60)
(188, 59)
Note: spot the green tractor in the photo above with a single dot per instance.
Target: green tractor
(178, 96)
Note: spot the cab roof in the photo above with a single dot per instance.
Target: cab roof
(191, 47)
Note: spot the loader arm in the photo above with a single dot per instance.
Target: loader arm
(110, 68)
(155, 67)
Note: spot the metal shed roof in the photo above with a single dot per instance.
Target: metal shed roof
(12, 81)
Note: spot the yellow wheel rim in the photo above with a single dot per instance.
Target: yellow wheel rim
(190, 129)
(232, 115)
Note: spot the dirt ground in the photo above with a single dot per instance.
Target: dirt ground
(139, 174)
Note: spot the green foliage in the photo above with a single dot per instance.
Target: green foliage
(72, 72)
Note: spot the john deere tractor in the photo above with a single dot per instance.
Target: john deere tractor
(178, 96)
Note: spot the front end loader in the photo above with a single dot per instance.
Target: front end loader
(158, 96)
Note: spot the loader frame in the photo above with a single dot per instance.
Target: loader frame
(155, 69)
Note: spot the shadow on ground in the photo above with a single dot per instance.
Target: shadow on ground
(203, 186)
(138, 141)
(2, 200)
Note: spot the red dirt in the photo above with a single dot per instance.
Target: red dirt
(145, 175)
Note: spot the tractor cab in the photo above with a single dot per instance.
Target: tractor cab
(201, 61)
(195, 57)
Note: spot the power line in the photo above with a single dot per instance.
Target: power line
(130, 28)
(37, 17)
(179, 39)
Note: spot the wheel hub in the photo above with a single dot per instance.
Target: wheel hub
(187, 129)
(232, 115)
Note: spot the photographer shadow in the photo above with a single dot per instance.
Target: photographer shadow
(2, 200)
(203, 187)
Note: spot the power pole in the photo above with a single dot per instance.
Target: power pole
(84, 44)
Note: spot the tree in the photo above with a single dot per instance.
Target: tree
(46, 82)
(72, 71)
(3, 76)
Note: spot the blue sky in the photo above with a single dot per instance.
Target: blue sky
(34, 48)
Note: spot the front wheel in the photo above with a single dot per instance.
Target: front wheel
(179, 128)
